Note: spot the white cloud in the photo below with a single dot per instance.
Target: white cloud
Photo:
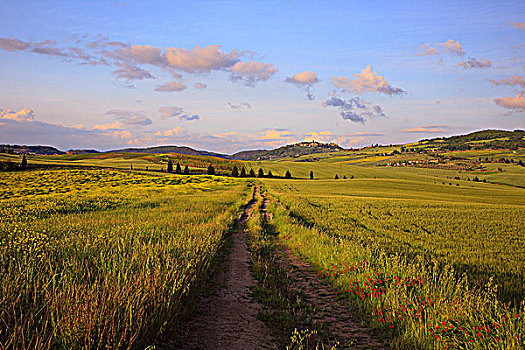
(171, 86)
(451, 46)
(304, 80)
(24, 114)
(366, 81)
(200, 60)
(252, 72)
(516, 103)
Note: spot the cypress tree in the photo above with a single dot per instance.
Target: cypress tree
(243, 172)
(311, 174)
(186, 170)
(170, 166)
(235, 172)
(252, 173)
(131, 167)
(270, 173)
(261, 173)
(178, 170)
(344, 177)
(23, 164)
(336, 177)
(288, 175)
(211, 171)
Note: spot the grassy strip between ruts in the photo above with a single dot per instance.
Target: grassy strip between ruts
(285, 311)
(423, 305)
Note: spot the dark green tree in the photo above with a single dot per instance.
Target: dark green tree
(131, 167)
(186, 170)
(235, 172)
(336, 177)
(344, 177)
(351, 176)
(311, 174)
(288, 175)
(178, 169)
(252, 173)
(243, 172)
(270, 173)
(23, 164)
(261, 173)
(211, 170)
(170, 166)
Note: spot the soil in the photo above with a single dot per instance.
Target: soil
(227, 319)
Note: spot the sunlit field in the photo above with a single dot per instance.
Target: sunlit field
(96, 259)
(437, 266)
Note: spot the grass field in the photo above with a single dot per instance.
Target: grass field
(96, 259)
(416, 256)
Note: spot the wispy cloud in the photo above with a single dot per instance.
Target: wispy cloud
(474, 63)
(171, 86)
(240, 105)
(252, 72)
(172, 112)
(430, 129)
(129, 117)
(512, 81)
(199, 85)
(450, 46)
(518, 25)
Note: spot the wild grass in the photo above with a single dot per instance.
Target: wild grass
(98, 259)
(398, 250)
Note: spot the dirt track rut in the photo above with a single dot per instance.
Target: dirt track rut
(228, 318)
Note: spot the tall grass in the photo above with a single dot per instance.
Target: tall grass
(106, 265)
(420, 300)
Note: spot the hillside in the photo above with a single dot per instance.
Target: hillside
(289, 151)
(170, 149)
(484, 139)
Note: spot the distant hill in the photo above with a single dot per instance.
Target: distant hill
(40, 150)
(171, 149)
(288, 151)
(484, 139)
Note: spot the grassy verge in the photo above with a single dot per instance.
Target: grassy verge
(423, 305)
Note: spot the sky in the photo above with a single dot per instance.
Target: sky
(227, 76)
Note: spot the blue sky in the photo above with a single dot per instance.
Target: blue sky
(235, 75)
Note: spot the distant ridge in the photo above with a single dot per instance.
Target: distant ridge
(289, 151)
(170, 149)
(22, 149)
(483, 139)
